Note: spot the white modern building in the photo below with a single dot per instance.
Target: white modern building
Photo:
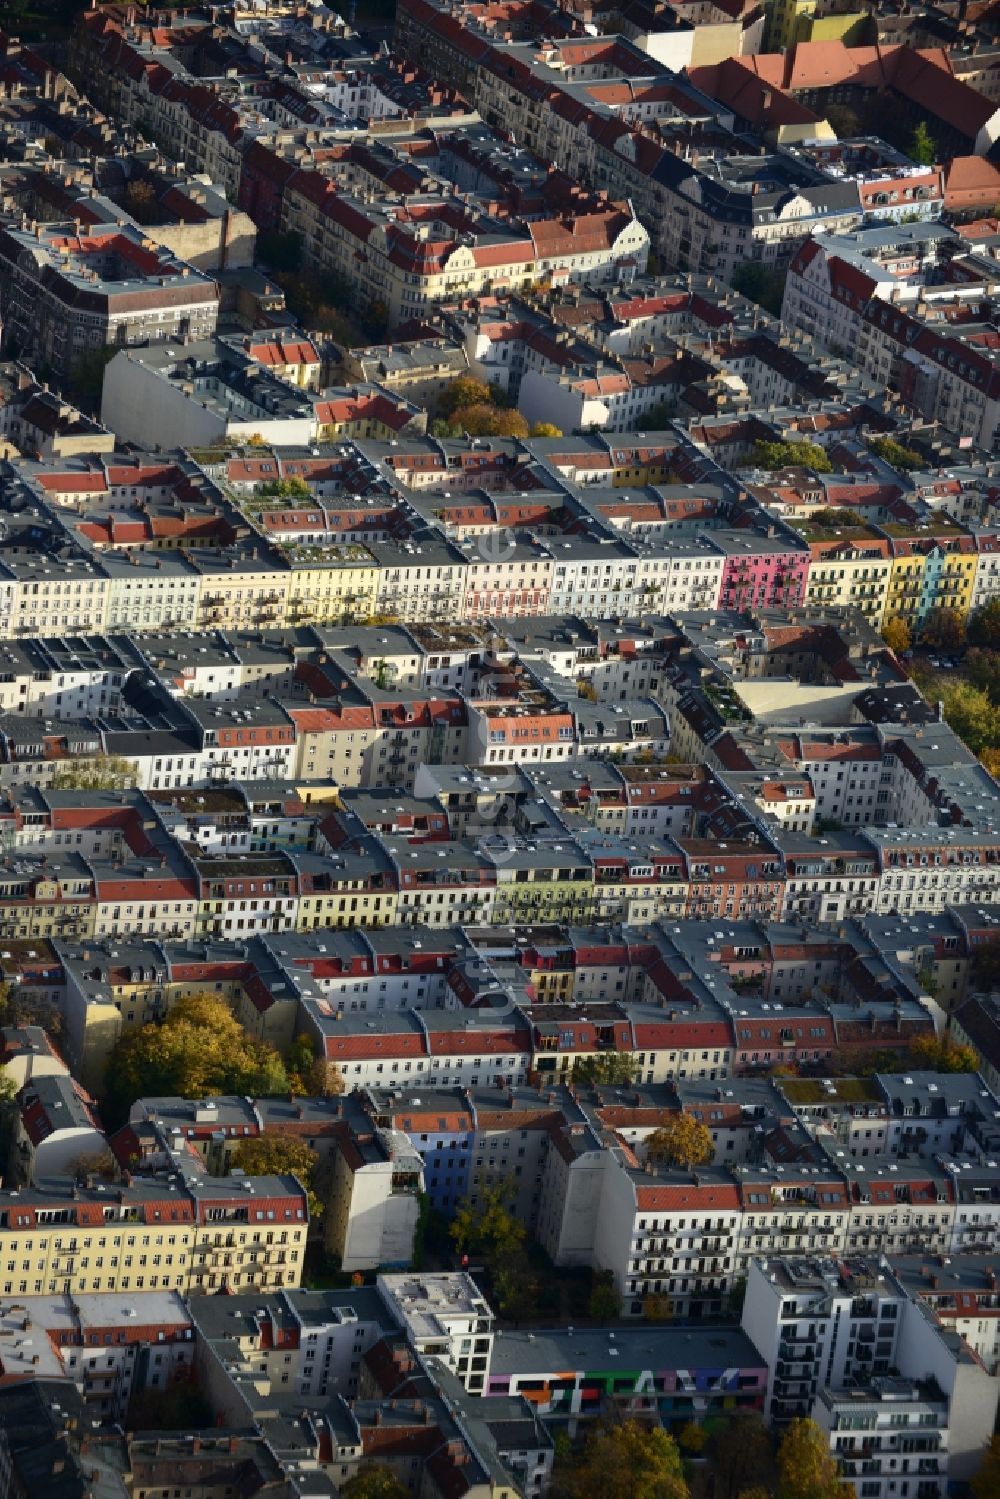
(906, 1403)
(446, 1316)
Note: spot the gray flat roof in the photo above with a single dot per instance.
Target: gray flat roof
(624, 1348)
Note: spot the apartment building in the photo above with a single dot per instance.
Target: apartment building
(27, 1052)
(719, 212)
(436, 1045)
(961, 1291)
(66, 292)
(788, 90)
(850, 566)
(902, 1399)
(56, 1127)
(669, 1238)
(892, 1431)
(308, 1343)
(108, 1352)
(436, 250)
(374, 1200)
(931, 871)
(589, 548)
(472, 1140)
(153, 1236)
(874, 292)
(444, 1316)
(977, 1024)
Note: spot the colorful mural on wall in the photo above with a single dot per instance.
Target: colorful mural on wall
(680, 1392)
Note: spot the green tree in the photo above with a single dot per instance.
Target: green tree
(325, 1079)
(896, 634)
(333, 287)
(199, 1049)
(605, 1069)
(944, 629)
(894, 453)
(843, 121)
(140, 201)
(100, 1163)
(284, 489)
(485, 420)
(829, 517)
(310, 1075)
(984, 970)
(376, 319)
(86, 377)
(760, 284)
(982, 669)
(806, 1467)
(605, 1302)
(656, 417)
(792, 454)
(741, 1455)
(984, 626)
(374, 1482)
(27, 1009)
(545, 429)
(281, 1155)
(942, 1054)
(923, 147)
(10, 1116)
(986, 1484)
(681, 1141)
(180, 1407)
(487, 1226)
(96, 773)
(973, 715)
(628, 1462)
(280, 251)
(562, 1447)
(298, 1062)
(465, 391)
(515, 1284)
(737, 1296)
(692, 1438)
(851, 1063)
